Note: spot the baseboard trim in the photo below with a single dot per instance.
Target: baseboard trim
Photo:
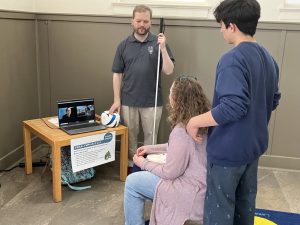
(280, 162)
(17, 155)
(266, 161)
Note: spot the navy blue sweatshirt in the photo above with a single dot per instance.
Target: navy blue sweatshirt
(246, 93)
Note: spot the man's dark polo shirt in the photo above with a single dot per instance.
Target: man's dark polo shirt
(138, 61)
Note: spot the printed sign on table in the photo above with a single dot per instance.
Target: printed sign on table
(90, 151)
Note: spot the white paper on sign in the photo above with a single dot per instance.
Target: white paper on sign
(90, 151)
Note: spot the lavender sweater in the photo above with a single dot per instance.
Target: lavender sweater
(180, 193)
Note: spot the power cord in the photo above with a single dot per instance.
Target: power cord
(34, 164)
(22, 165)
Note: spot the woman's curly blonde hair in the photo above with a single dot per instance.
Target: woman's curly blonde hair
(189, 101)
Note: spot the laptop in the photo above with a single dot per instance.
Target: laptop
(77, 116)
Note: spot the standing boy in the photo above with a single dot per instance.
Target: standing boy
(246, 92)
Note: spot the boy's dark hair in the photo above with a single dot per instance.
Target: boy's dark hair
(243, 13)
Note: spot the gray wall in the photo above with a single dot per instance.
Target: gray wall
(74, 57)
(18, 83)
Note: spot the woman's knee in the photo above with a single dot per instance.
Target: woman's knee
(131, 181)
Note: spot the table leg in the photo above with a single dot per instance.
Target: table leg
(124, 155)
(56, 176)
(27, 150)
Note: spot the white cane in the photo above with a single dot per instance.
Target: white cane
(161, 29)
(156, 93)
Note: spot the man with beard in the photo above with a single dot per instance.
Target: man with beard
(134, 78)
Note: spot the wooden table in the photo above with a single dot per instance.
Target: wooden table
(57, 138)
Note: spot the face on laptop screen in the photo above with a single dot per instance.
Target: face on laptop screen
(76, 111)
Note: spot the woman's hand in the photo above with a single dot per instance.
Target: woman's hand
(138, 160)
(141, 151)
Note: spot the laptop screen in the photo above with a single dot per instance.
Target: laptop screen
(76, 111)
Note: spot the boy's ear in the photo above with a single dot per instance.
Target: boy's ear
(233, 27)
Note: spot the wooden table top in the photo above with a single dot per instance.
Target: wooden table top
(51, 133)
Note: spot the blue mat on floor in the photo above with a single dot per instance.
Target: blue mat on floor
(269, 217)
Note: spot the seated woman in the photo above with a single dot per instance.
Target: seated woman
(177, 187)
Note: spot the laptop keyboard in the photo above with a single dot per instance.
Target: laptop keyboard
(82, 128)
(75, 127)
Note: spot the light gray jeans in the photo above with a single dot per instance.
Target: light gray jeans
(131, 117)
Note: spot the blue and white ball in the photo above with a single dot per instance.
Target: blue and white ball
(110, 120)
